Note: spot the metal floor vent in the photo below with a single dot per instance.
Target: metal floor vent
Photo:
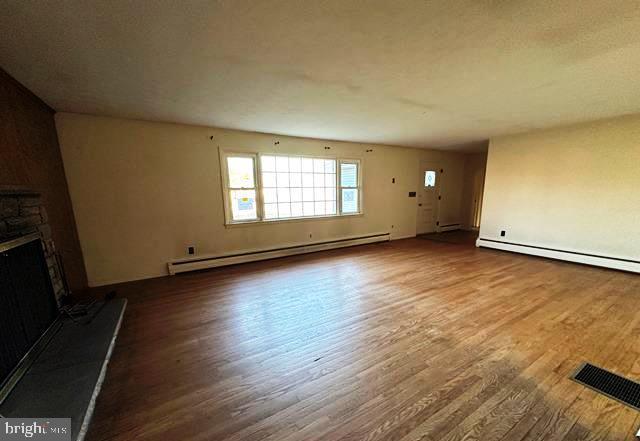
(607, 383)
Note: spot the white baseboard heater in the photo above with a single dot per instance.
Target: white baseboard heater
(449, 227)
(194, 263)
(571, 256)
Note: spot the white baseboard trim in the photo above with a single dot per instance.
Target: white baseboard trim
(570, 256)
(213, 261)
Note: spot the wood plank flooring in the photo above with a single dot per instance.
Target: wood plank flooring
(407, 340)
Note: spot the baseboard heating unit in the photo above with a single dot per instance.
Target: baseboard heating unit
(194, 263)
(571, 256)
(449, 227)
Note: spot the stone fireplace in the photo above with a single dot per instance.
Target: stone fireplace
(22, 213)
(52, 365)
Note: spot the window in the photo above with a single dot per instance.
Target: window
(430, 178)
(289, 187)
(349, 187)
(294, 186)
(241, 185)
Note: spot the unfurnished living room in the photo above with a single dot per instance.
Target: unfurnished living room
(297, 220)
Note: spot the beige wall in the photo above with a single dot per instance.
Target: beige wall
(575, 188)
(142, 192)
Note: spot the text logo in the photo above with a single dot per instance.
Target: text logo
(37, 429)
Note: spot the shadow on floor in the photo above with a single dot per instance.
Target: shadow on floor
(459, 237)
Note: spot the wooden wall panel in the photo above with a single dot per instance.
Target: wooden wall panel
(30, 157)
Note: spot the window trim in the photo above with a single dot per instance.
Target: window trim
(257, 172)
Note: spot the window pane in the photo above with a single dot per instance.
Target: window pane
(283, 179)
(319, 208)
(318, 165)
(243, 204)
(296, 195)
(295, 179)
(295, 164)
(282, 163)
(330, 166)
(284, 210)
(318, 180)
(348, 175)
(430, 178)
(270, 211)
(307, 165)
(349, 200)
(318, 194)
(269, 195)
(240, 172)
(283, 195)
(268, 163)
(307, 194)
(330, 180)
(307, 208)
(331, 207)
(307, 179)
(268, 179)
(296, 209)
(330, 194)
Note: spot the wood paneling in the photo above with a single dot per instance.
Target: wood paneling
(30, 157)
(407, 340)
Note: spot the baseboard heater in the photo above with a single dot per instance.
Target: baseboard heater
(450, 227)
(212, 261)
(570, 256)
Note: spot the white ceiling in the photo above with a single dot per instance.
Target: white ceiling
(405, 72)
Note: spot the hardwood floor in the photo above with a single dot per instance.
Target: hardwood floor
(407, 340)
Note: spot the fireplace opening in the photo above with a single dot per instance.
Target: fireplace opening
(28, 306)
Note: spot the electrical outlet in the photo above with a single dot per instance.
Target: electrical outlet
(503, 233)
(191, 250)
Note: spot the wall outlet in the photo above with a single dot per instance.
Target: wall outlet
(191, 250)
(503, 233)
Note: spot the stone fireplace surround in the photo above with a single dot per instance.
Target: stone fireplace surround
(22, 213)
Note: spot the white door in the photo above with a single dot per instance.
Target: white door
(428, 194)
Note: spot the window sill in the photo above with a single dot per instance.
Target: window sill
(289, 220)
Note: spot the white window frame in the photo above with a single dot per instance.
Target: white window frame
(359, 185)
(257, 176)
(227, 189)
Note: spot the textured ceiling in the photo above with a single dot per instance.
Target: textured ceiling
(416, 73)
